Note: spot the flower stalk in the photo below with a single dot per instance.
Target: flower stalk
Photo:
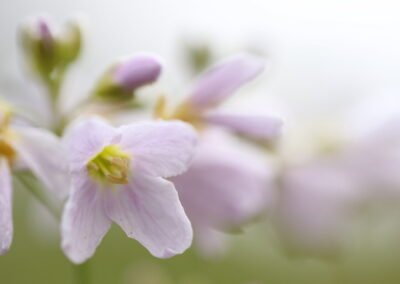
(31, 184)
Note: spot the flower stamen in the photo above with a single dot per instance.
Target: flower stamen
(185, 112)
(110, 165)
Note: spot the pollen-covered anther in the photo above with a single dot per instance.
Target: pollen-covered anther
(110, 165)
(7, 151)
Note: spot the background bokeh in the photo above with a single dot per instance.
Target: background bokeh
(328, 61)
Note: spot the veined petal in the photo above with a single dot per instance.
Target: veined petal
(44, 154)
(254, 126)
(162, 148)
(84, 222)
(85, 138)
(224, 79)
(6, 223)
(149, 210)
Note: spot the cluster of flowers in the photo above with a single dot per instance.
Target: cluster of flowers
(159, 179)
(185, 170)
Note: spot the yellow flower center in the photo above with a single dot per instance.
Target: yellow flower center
(185, 112)
(110, 165)
(5, 134)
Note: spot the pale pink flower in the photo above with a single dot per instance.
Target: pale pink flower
(375, 158)
(319, 200)
(136, 71)
(315, 205)
(36, 149)
(224, 188)
(222, 80)
(215, 86)
(123, 78)
(118, 176)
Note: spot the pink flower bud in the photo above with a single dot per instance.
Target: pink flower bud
(137, 71)
(44, 33)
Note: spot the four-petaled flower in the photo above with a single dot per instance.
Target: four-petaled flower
(118, 175)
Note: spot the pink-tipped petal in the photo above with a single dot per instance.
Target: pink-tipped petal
(43, 153)
(6, 223)
(162, 148)
(85, 138)
(44, 32)
(149, 210)
(253, 126)
(224, 79)
(137, 71)
(84, 222)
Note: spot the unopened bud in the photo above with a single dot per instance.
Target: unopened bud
(44, 34)
(121, 81)
(50, 53)
(40, 46)
(71, 42)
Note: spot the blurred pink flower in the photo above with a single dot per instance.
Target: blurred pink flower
(118, 175)
(219, 83)
(375, 158)
(215, 86)
(36, 149)
(318, 200)
(255, 126)
(123, 78)
(223, 79)
(314, 205)
(137, 71)
(224, 188)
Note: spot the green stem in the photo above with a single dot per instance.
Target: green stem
(81, 273)
(32, 185)
(53, 84)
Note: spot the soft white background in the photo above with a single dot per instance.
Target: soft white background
(325, 55)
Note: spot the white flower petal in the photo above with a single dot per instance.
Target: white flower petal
(84, 222)
(224, 79)
(149, 210)
(136, 71)
(85, 138)
(254, 126)
(224, 187)
(44, 154)
(6, 223)
(162, 148)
